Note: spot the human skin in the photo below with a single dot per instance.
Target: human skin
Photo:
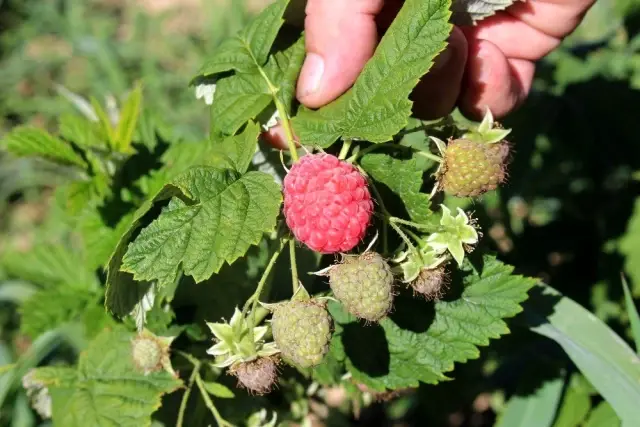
(490, 65)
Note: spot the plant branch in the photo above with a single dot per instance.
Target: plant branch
(207, 401)
(187, 393)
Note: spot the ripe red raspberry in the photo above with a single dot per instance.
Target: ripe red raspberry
(326, 203)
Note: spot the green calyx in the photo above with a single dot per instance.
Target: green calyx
(239, 341)
(487, 131)
(456, 233)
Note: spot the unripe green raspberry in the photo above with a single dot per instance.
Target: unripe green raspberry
(364, 286)
(472, 168)
(147, 354)
(430, 283)
(258, 376)
(302, 331)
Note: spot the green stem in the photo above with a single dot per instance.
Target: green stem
(294, 265)
(404, 237)
(253, 299)
(427, 227)
(288, 130)
(187, 393)
(385, 212)
(411, 234)
(207, 401)
(369, 149)
(346, 145)
(374, 147)
(430, 156)
(284, 116)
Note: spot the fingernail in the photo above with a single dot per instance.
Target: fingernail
(311, 74)
(442, 59)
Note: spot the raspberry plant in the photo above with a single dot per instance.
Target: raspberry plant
(345, 260)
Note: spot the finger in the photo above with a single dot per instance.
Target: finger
(340, 38)
(556, 18)
(437, 93)
(493, 81)
(540, 25)
(515, 38)
(277, 138)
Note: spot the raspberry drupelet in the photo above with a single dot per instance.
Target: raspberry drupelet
(327, 204)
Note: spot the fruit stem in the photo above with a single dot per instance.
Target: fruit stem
(207, 401)
(284, 116)
(430, 156)
(187, 392)
(253, 299)
(294, 265)
(427, 227)
(404, 237)
(346, 145)
(288, 130)
(383, 208)
(374, 147)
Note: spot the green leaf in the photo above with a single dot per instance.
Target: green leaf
(630, 247)
(534, 410)
(416, 343)
(468, 12)
(377, 107)
(576, 403)
(404, 178)
(283, 69)
(128, 120)
(632, 312)
(50, 308)
(123, 292)
(243, 96)
(604, 416)
(79, 130)
(26, 141)
(49, 265)
(99, 239)
(105, 389)
(106, 129)
(238, 98)
(218, 390)
(40, 348)
(601, 355)
(250, 46)
(215, 218)
(236, 152)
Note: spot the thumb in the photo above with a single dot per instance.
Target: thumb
(341, 36)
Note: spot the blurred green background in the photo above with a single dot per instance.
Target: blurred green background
(570, 214)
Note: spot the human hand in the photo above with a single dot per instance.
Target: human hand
(489, 65)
